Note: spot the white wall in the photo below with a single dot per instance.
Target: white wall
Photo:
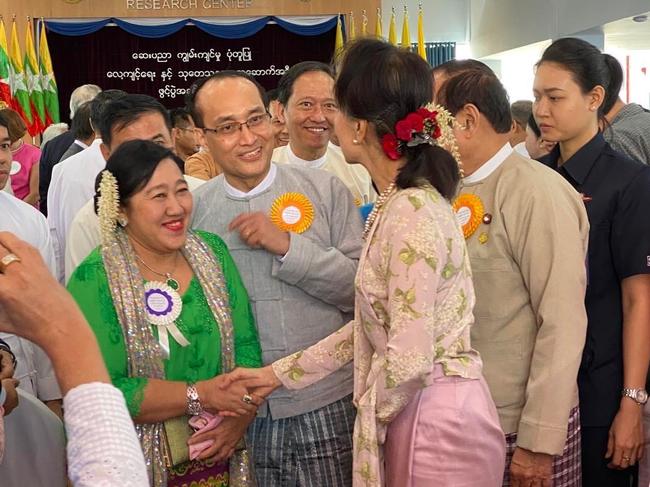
(501, 25)
(444, 20)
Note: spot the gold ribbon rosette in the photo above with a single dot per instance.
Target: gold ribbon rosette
(292, 212)
(469, 213)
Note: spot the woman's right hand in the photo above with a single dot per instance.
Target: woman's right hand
(221, 395)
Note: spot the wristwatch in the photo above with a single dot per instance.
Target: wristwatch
(194, 407)
(640, 396)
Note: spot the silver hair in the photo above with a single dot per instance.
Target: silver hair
(52, 131)
(81, 95)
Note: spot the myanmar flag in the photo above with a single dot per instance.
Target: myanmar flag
(5, 89)
(48, 83)
(33, 82)
(19, 91)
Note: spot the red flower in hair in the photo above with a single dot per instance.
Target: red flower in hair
(437, 132)
(390, 144)
(427, 114)
(405, 127)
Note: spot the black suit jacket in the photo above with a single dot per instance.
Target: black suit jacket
(50, 156)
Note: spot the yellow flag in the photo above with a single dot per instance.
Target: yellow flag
(406, 36)
(338, 43)
(422, 51)
(351, 32)
(378, 30)
(364, 24)
(392, 30)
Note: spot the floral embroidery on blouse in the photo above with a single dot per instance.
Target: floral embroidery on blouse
(414, 301)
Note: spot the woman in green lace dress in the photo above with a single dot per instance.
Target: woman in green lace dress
(171, 314)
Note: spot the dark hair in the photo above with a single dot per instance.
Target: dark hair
(4, 122)
(272, 95)
(521, 111)
(80, 126)
(615, 82)
(456, 66)
(15, 124)
(481, 89)
(192, 93)
(532, 123)
(98, 104)
(180, 117)
(125, 110)
(133, 164)
(285, 85)
(382, 84)
(584, 61)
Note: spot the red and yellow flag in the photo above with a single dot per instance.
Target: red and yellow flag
(48, 82)
(19, 92)
(33, 82)
(5, 88)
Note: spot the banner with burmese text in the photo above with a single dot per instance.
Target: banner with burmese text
(165, 67)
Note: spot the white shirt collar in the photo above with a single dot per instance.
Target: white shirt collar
(260, 188)
(521, 149)
(490, 166)
(80, 144)
(294, 159)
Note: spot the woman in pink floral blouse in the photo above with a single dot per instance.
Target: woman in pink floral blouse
(425, 415)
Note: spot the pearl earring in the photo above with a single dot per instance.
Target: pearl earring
(122, 221)
(355, 141)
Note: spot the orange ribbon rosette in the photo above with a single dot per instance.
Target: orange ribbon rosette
(469, 213)
(292, 212)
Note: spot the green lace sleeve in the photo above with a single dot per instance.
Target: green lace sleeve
(248, 352)
(89, 287)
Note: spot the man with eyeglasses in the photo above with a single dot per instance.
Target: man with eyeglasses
(295, 235)
(307, 106)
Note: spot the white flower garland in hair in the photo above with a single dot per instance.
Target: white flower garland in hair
(108, 207)
(447, 139)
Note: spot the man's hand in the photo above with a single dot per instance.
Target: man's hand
(225, 436)
(625, 442)
(257, 231)
(529, 469)
(6, 365)
(9, 385)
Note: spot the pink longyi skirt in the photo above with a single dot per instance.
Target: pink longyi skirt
(447, 436)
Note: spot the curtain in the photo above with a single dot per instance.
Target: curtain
(224, 28)
(438, 52)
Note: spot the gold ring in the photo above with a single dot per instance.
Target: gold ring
(627, 459)
(7, 260)
(248, 399)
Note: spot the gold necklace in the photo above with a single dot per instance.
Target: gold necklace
(381, 201)
(169, 279)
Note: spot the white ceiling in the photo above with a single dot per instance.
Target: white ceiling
(627, 34)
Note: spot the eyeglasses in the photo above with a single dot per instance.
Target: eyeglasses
(231, 129)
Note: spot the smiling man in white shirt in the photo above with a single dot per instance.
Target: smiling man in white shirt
(307, 106)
